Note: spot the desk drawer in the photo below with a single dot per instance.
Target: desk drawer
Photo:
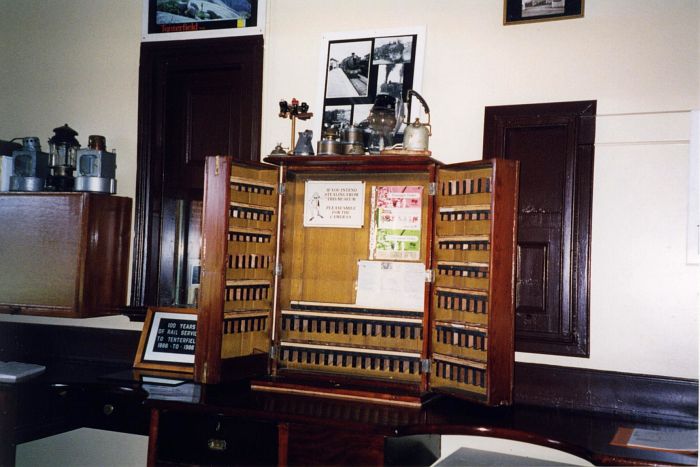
(117, 409)
(215, 440)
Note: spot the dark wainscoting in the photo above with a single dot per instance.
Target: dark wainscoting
(44, 344)
(627, 394)
(621, 394)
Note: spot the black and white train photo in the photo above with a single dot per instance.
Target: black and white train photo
(390, 50)
(348, 69)
(543, 7)
(390, 79)
(337, 115)
(360, 114)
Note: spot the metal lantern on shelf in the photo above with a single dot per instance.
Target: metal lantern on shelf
(63, 151)
(96, 167)
(30, 166)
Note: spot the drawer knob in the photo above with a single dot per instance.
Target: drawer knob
(216, 444)
(108, 409)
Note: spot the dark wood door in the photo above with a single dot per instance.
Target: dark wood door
(554, 144)
(203, 118)
(196, 99)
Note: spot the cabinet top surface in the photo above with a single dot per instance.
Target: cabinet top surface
(350, 161)
(59, 194)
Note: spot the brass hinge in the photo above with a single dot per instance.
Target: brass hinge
(432, 188)
(429, 276)
(281, 188)
(273, 352)
(278, 269)
(425, 365)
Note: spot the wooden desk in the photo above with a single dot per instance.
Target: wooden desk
(267, 428)
(303, 430)
(73, 392)
(67, 397)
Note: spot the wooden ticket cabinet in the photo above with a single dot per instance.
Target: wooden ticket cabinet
(372, 278)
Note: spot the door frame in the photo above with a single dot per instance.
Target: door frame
(573, 337)
(155, 61)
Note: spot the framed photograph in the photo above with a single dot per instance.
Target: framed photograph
(168, 340)
(357, 66)
(188, 19)
(530, 11)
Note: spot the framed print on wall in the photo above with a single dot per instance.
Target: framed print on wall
(198, 19)
(530, 11)
(357, 66)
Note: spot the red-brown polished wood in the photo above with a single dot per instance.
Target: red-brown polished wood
(64, 254)
(382, 170)
(309, 424)
(207, 364)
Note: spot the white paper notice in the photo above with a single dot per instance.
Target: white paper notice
(391, 284)
(334, 204)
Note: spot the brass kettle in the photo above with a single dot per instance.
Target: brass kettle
(417, 134)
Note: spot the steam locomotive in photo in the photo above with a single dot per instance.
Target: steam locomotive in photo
(355, 65)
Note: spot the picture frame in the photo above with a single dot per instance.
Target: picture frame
(168, 340)
(181, 19)
(387, 60)
(531, 11)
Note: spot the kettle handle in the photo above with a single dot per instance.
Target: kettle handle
(410, 93)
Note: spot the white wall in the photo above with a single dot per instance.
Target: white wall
(76, 62)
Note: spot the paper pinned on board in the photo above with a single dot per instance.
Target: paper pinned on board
(391, 284)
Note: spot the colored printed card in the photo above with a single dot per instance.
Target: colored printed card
(396, 222)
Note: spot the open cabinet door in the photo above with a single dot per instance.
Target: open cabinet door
(472, 308)
(239, 231)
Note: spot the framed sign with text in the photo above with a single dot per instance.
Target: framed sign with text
(334, 203)
(168, 340)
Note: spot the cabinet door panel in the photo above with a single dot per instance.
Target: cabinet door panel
(472, 306)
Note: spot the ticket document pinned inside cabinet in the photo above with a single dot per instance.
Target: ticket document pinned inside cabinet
(391, 284)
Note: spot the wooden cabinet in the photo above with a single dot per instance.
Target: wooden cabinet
(413, 297)
(64, 254)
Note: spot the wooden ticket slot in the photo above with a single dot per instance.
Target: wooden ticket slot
(238, 260)
(308, 305)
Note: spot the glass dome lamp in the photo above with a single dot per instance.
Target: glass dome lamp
(382, 122)
(63, 151)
